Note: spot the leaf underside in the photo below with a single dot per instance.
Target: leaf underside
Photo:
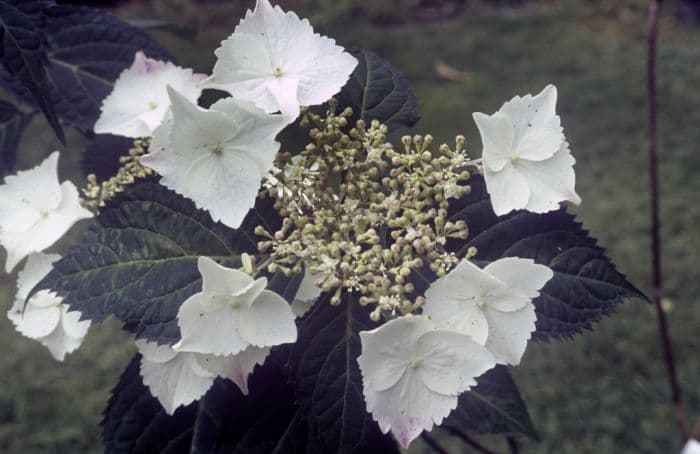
(139, 263)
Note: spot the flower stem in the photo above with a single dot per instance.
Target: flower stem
(656, 273)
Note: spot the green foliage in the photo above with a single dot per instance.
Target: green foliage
(139, 263)
(493, 406)
(65, 58)
(327, 379)
(585, 285)
(12, 124)
(23, 54)
(377, 91)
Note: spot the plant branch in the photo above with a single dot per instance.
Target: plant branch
(656, 273)
(467, 439)
(430, 441)
(513, 445)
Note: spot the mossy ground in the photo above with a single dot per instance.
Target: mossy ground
(603, 391)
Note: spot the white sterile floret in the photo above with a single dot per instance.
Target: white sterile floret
(691, 447)
(215, 157)
(44, 317)
(139, 100)
(36, 210)
(232, 312)
(527, 162)
(275, 60)
(178, 378)
(413, 373)
(307, 293)
(493, 305)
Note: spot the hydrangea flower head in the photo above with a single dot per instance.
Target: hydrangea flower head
(275, 60)
(178, 378)
(36, 210)
(215, 157)
(139, 100)
(527, 162)
(412, 374)
(493, 305)
(232, 312)
(44, 317)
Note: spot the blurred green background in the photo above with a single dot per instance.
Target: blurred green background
(605, 390)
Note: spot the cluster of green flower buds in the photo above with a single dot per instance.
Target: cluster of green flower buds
(96, 194)
(362, 216)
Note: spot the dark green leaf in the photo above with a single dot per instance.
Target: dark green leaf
(585, 285)
(101, 156)
(23, 55)
(88, 48)
(328, 382)
(224, 421)
(376, 91)
(139, 263)
(493, 406)
(135, 422)
(12, 124)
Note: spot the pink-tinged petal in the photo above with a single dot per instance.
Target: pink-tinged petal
(139, 101)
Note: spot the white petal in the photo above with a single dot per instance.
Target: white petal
(37, 267)
(226, 188)
(37, 321)
(509, 333)
(60, 343)
(408, 408)
(451, 361)
(551, 181)
(269, 321)
(497, 138)
(524, 275)
(306, 295)
(389, 349)
(47, 230)
(139, 101)
(508, 188)
(537, 128)
(208, 331)
(237, 367)
(219, 279)
(284, 90)
(691, 447)
(178, 381)
(155, 353)
(72, 325)
(270, 44)
(216, 157)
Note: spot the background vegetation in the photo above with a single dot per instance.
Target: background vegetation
(603, 391)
